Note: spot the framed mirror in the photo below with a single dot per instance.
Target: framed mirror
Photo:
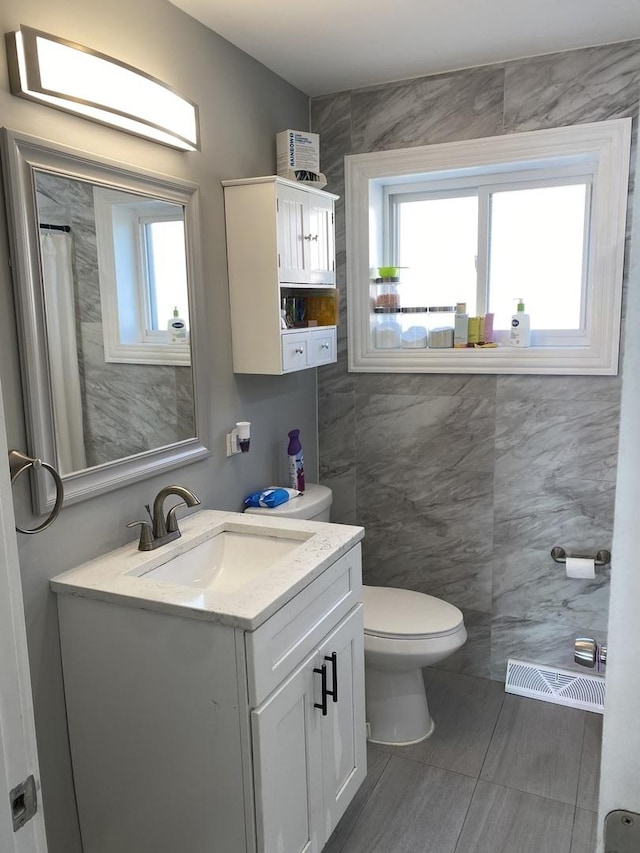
(107, 276)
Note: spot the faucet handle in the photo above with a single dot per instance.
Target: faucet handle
(172, 519)
(146, 535)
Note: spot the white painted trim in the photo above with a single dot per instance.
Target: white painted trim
(607, 142)
(18, 749)
(620, 774)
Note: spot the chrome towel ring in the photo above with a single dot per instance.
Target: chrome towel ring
(19, 462)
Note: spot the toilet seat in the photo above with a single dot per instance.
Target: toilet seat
(404, 614)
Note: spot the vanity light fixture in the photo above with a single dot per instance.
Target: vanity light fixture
(76, 79)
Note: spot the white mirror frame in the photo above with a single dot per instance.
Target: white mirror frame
(22, 155)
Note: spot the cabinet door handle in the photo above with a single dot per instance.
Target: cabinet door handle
(324, 346)
(322, 672)
(333, 657)
(299, 350)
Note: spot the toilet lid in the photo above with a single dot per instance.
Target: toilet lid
(390, 612)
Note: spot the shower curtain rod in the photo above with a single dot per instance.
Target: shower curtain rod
(65, 228)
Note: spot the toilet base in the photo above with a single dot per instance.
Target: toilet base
(397, 710)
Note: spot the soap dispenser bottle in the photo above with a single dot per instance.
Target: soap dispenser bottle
(520, 335)
(177, 328)
(296, 461)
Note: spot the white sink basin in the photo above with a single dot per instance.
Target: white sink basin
(225, 562)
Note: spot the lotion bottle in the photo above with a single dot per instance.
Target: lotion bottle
(520, 335)
(177, 328)
(461, 326)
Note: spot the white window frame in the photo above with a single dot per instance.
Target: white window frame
(600, 150)
(124, 283)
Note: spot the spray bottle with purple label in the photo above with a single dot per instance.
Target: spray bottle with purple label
(296, 461)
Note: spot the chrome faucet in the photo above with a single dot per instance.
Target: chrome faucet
(163, 531)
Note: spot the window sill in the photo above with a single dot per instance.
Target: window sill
(536, 360)
(167, 354)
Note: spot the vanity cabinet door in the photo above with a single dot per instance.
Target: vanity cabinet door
(344, 756)
(287, 765)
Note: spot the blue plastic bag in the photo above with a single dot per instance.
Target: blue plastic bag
(273, 496)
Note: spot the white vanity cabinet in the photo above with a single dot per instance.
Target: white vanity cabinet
(189, 734)
(280, 243)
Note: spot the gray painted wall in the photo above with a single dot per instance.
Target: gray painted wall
(464, 483)
(242, 107)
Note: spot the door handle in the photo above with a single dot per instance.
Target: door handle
(334, 680)
(322, 672)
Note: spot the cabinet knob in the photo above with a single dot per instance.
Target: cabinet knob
(311, 237)
(299, 350)
(324, 346)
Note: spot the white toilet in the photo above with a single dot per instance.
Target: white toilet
(404, 631)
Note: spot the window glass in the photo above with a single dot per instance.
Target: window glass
(167, 274)
(437, 248)
(537, 247)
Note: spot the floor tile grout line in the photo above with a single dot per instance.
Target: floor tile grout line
(365, 802)
(466, 815)
(424, 763)
(584, 735)
(493, 732)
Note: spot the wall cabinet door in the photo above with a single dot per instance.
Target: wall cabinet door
(292, 226)
(305, 237)
(287, 772)
(344, 757)
(320, 242)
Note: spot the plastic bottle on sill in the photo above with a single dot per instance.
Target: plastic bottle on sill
(177, 328)
(461, 326)
(520, 334)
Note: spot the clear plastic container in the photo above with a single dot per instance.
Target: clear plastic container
(414, 327)
(386, 294)
(441, 326)
(387, 331)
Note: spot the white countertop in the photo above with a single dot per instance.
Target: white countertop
(119, 576)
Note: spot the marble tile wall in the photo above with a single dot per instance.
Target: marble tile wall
(127, 408)
(465, 483)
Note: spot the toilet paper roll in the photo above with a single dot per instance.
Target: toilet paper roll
(580, 567)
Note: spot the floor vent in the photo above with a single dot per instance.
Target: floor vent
(555, 685)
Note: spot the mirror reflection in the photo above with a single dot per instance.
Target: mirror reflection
(114, 272)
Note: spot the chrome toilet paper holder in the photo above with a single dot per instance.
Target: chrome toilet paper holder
(602, 557)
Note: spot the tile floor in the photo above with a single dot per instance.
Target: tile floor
(500, 774)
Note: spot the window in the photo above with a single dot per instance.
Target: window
(143, 277)
(538, 217)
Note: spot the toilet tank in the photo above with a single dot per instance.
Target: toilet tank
(313, 505)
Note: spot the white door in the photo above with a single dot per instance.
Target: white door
(620, 775)
(18, 752)
(288, 765)
(344, 747)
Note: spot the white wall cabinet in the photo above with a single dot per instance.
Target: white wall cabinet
(191, 735)
(280, 242)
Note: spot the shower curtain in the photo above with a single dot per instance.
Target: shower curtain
(57, 274)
